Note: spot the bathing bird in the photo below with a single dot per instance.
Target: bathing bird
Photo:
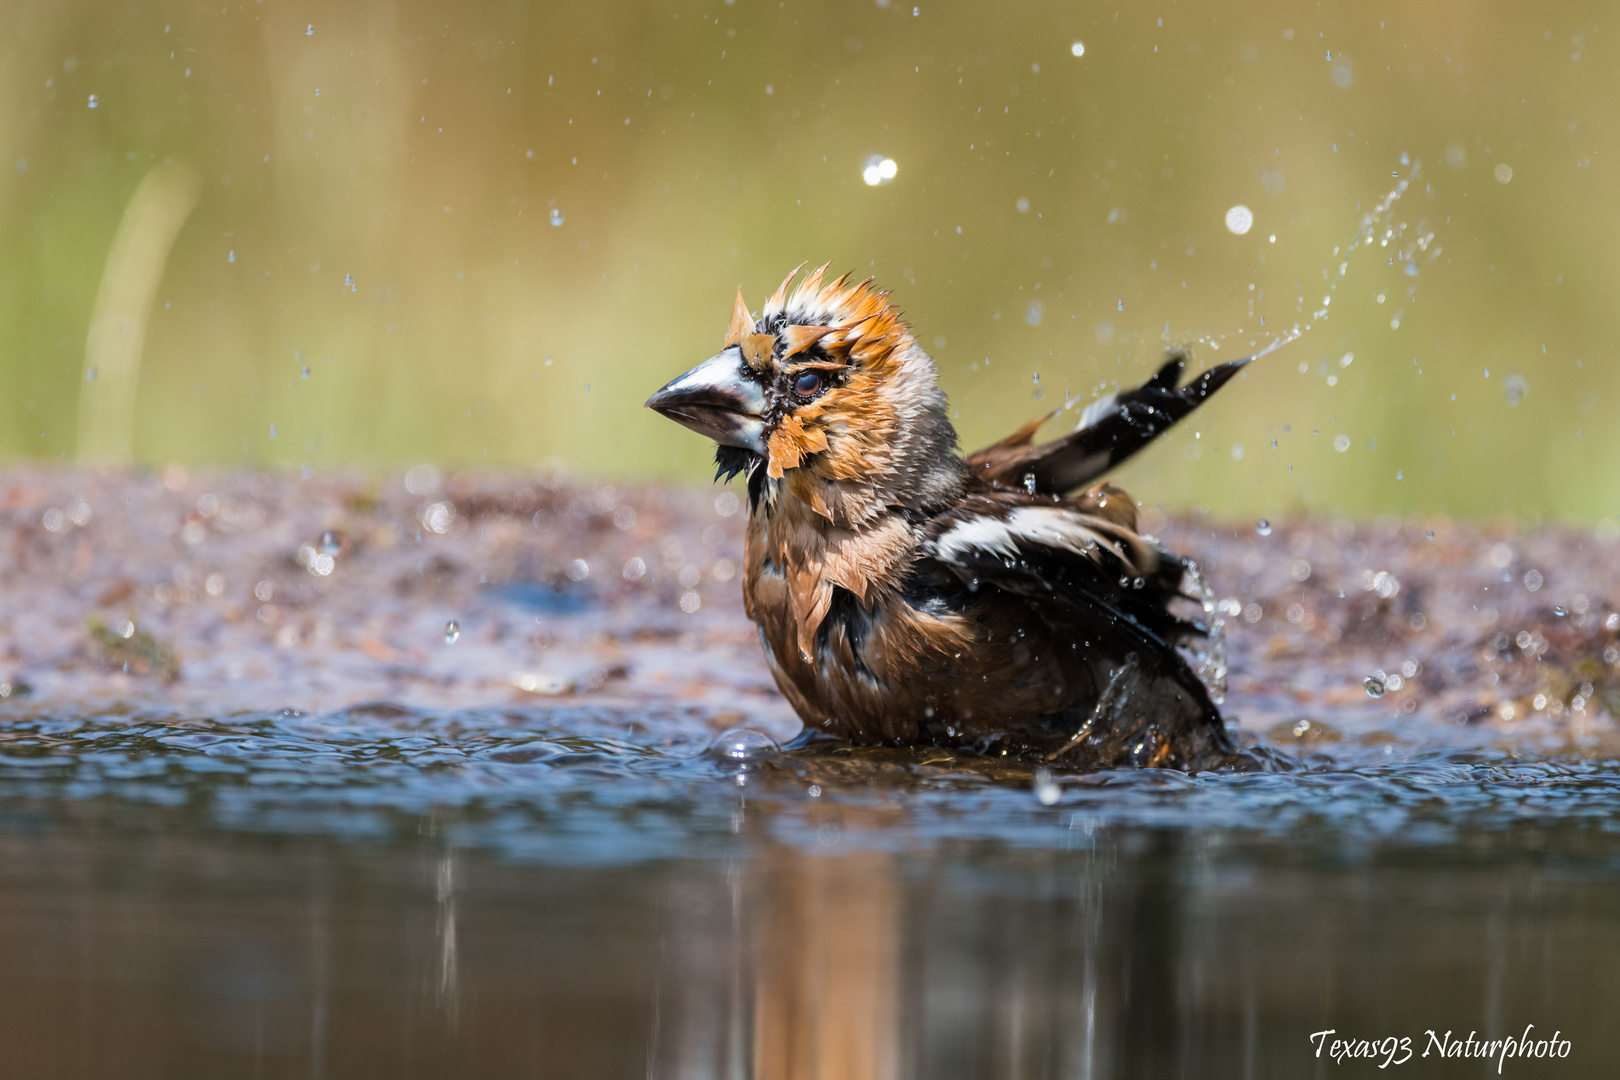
(904, 595)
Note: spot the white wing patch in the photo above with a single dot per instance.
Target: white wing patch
(1098, 411)
(1035, 526)
(981, 534)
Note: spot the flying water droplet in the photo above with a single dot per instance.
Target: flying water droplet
(452, 632)
(1047, 791)
(1263, 527)
(879, 170)
(331, 543)
(305, 373)
(1375, 684)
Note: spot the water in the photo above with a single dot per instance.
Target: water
(382, 890)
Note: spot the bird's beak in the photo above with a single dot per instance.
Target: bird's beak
(718, 400)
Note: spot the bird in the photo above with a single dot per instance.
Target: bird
(1003, 603)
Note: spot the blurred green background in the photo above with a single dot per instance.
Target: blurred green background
(484, 232)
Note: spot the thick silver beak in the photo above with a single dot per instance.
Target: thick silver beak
(716, 399)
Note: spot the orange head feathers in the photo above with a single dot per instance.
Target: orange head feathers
(837, 400)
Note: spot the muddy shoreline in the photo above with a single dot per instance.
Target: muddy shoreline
(199, 594)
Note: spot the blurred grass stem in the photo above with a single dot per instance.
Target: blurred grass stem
(112, 351)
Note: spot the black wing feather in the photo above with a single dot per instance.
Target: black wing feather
(1098, 587)
(1136, 418)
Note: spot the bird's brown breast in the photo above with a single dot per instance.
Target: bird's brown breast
(859, 655)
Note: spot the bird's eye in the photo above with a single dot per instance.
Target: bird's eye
(808, 385)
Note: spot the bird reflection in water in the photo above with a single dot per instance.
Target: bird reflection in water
(826, 990)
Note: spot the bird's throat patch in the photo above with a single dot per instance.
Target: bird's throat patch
(793, 441)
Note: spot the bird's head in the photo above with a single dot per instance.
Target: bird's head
(830, 396)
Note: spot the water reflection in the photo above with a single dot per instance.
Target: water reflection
(391, 892)
(827, 948)
(133, 944)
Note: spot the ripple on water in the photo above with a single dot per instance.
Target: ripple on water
(595, 784)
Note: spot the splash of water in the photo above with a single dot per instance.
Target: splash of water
(1378, 226)
(1209, 657)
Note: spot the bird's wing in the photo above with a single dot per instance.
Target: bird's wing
(1054, 551)
(1111, 429)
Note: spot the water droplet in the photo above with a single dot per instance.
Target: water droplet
(556, 216)
(93, 101)
(306, 371)
(230, 256)
(1029, 482)
(348, 279)
(1560, 610)
(452, 632)
(1341, 443)
(90, 375)
(1239, 219)
(1047, 791)
(879, 170)
(1374, 684)
(331, 543)
(1263, 527)
(744, 745)
(1078, 49)
(1503, 171)
(437, 517)
(126, 629)
(309, 30)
